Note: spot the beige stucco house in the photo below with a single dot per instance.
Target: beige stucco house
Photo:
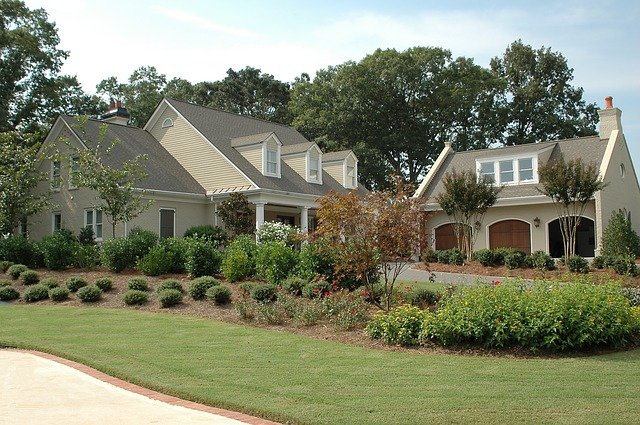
(197, 156)
(523, 217)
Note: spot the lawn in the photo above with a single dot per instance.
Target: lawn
(294, 378)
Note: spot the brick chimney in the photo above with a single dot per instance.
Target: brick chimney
(117, 114)
(609, 118)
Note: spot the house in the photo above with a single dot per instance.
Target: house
(196, 157)
(524, 218)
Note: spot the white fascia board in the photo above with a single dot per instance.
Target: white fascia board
(162, 106)
(432, 172)
(608, 153)
(503, 202)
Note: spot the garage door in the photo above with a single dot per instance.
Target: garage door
(445, 237)
(510, 234)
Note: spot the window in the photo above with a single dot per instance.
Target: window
(352, 180)
(506, 171)
(487, 171)
(73, 172)
(272, 161)
(314, 167)
(525, 168)
(56, 221)
(509, 171)
(622, 170)
(168, 122)
(93, 219)
(167, 223)
(22, 227)
(55, 175)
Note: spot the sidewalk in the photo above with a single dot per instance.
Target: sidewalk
(415, 275)
(37, 388)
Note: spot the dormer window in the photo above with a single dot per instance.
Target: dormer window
(56, 179)
(168, 122)
(351, 176)
(508, 171)
(314, 169)
(74, 171)
(272, 161)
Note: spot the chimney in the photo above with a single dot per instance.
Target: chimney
(609, 118)
(116, 114)
(112, 105)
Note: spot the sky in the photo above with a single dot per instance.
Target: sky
(201, 40)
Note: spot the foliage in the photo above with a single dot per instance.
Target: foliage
(626, 266)
(272, 231)
(238, 260)
(400, 326)
(264, 292)
(141, 241)
(600, 262)
(89, 294)
(344, 309)
(17, 249)
(49, 282)
(317, 258)
(29, 277)
(16, 269)
(633, 295)
(135, 297)
(104, 283)
(4, 266)
(86, 236)
(169, 297)
(274, 261)
(540, 260)
(58, 249)
(316, 289)
(138, 284)
(199, 286)
(58, 294)
(466, 198)
(215, 234)
(294, 284)
(424, 297)
(619, 237)
(175, 249)
(236, 214)
(202, 258)
(74, 283)
(35, 293)
(514, 260)
(8, 293)
(116, 254)
(86, 256)
(577, 264)
(219, 294)
(170, 284)
(156, 262)
(4, 282)
(485, 256)
(543, 315)
(571, 186)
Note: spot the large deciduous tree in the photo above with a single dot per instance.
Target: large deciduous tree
(539, 102)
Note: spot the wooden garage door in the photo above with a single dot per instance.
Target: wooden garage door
(511, 234)
(445, 237)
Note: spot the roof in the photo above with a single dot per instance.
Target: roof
(221, 127)
(164, 171)
(252, 139)
(588, 149)
(297, 148)
(335, 156)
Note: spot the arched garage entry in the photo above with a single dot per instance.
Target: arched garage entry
(445, 237)
(510, 234)
(585, 238)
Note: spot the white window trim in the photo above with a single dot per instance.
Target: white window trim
(71, 172)
(53, 220)
(308, 160)
(160, 220)
(264, 159)
(94, 225)
(516, 169)
(53, 186)
(167, 122)
(346, 181)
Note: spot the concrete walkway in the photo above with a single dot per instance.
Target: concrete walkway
(415, 275)
(37, 388)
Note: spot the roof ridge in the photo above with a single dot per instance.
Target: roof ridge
(101, 121)
(549, 142)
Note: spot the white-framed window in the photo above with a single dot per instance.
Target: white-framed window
(168, 122)
(56, 175)
(56, 221)
(167, 223)
(93, 219)
(314, 169)
(509, 171)
(506, 171)
(352, 180)
(487, 170)
(74, 169)
(525, 169)
(272, 162)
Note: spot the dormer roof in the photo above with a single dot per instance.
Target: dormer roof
(252, 139)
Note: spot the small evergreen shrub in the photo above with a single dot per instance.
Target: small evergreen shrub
(577, 264)
(86, 256)
(619, 239)
(294, 285)
(199, 286)
(175, 250)
(456, 257)
(15, 270)
(17, 249)
(316, 289)
(138, 284)
(264, 292)
(74, 283)
(4, 266)
(36, 293)
(49, 282)
(104, 283)
(316, 258)
(58, 249)
(485, 257)
(514, 259)
(29, 277)
(443, 256)
(135, 297)
(156, 262)
(219, 294)
(58, 294)
(400, 326)
(626, 266)
(540, 260)
(4, 282)
(203, 258)
(599, 262)
(117, 254)
(89, 294)
(170, 284)
(140, 242)
(236, 264)
(424, 297)
(429, 256)
(169, 297)
(8, 293)
(86, 236)
(499, 254)
(215, 234)
(274, 261)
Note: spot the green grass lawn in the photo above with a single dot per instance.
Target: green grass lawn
(293, 378)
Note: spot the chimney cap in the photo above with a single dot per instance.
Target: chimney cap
(608, 102)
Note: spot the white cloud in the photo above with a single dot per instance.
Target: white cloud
(200, 22)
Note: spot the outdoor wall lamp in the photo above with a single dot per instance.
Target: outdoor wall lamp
(536, 222)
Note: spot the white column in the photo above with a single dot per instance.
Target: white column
(259, 214)
(304, 219)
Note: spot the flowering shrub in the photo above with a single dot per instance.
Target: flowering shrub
(274, 261)
(238, 261)
(344, 309)
(203, 258)
(316, 289)
(577, 264)
(400, 326)
(272, 231)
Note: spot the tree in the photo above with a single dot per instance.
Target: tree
(619, 239)
(539, 102)
(466, 198)
(236, 214)
(115, 186)
(571, 185)
(19, 178)
(379, 231)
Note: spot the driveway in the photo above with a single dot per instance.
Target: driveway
(415, 275)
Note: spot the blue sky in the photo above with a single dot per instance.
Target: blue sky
(200, 40)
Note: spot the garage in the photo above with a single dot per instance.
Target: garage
(445, 237)
(511, 234)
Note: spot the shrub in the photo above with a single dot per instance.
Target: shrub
(429, 256)
(599, 262)
(36, 293)
(294, 285)
(540, 260)
(135, 297)
(456, 257)
(626, 266)
(270, 313)
(4, 266)
(203, 258)
(104, 283)
(17, 249)
(237, 264)
(58, 249)
(49, 282)
(169, 297)
(619, 239)
(543, 315)
(138, 284)
(633, 295)
(215, 234)
(271, 231)
(423, 297)
(117, 254)
(577, 264)
(263, 292)
(86, 256)
(246, 309)
(176, 250)
(15, 270)
(500, 253)
(514, 260)
(170, 284)
(219, 294)
(9, 293)
(344, 309)
(58, 294)
(89, 294)
(246, 288)
(29, 277)
(443, 256)
(486, 257)
(86, 236)
(316, 289)
(316, 258)
(308, 314)
(198, 287)
(4, 282)
(74, 283)
(155, 263)
(274, 261)
(141, 241)
(400, 326)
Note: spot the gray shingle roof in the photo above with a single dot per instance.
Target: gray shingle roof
(589, 149)
(297, 148)
(165, 173)
(335, 156)
(220, 127)
(252, 139)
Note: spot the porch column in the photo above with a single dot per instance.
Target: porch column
(259, 214)
(304, 219)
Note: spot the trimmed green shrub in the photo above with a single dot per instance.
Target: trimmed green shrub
(274, 261)
(29, 277)
(135, 297)
(203, 258)
(86, 236)
(58, 249)
(15, 270)
(429, 256)
(577, 264)
(443, 256)
(199, 286)
(514, 260)
(156, 262)
(626, 266)
(238, 261)
(176, 250)
(316, 289)
(219, 294)
(138, 284)
(86, 256)
(170, 284)
(104, 283)
(400, 326)
(141, 241)
(4, 266)
(451, 256)
(500, 253)
(294, 285)
(316, 258)
(540, 260)
(36, 293)
(215, 234)
(58, 294)
(486, 257)
(423, 297)
(169, 297)
(49, 282)
(74, 283)
(89, 294)
(619, 239)
(8, 293)
(599, 262)
(17, 249)
(117, 254)
(264, 292)
(5, 282)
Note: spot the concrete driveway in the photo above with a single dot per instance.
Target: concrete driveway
(37, 388)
